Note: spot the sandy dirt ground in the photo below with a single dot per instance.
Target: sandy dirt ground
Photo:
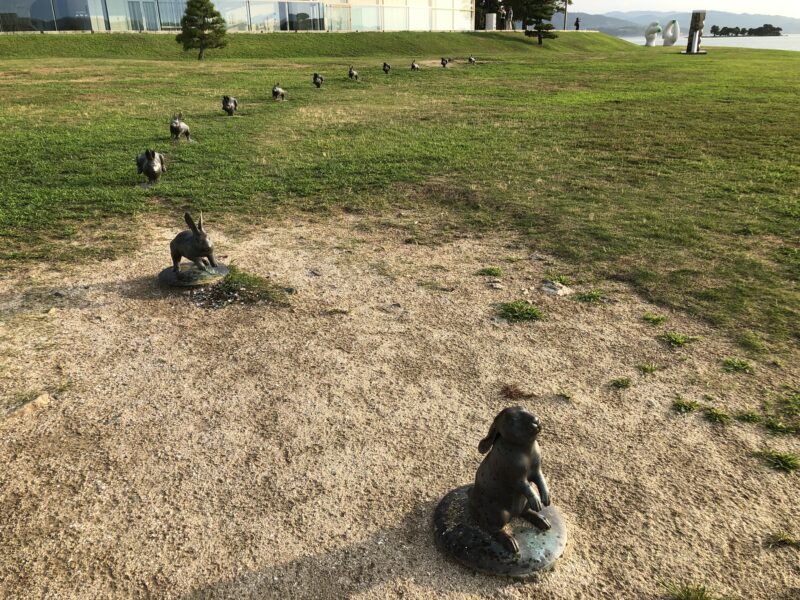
(260, 452)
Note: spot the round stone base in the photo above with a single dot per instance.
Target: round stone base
(461, 537)
(189, 275)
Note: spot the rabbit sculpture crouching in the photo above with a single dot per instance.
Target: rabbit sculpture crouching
(386, 67)
(503, 481)
(178, 128)
(194, 244)
(229, 105)
(151, 163)
(352, 73)
(317, 80)
(414, 65)
(278, 93)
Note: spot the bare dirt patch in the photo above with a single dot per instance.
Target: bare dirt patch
(259, 452)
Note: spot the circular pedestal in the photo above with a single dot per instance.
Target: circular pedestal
(189, 275)
(473, 547)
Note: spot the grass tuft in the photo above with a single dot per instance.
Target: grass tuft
(654, 319)
(748, 416)
(519, 310)
(682, 406)
(690, 591)
(780, 461)
(491, 271)
(782, 539)
(716, 416)
(557, 278)
(648, 368)
(239, 287)
(736, 365)
(621, 383)
(677, 340)
(591, 297)
(775, 425)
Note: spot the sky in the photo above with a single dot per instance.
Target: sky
(788, 8)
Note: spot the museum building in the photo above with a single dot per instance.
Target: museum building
(240, 15)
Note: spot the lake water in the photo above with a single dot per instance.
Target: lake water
(783, 42)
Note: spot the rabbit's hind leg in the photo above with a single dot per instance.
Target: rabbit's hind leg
(507, 541)
(176, 261)
(536, 519)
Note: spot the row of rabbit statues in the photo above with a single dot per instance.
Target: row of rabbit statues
(151, 163)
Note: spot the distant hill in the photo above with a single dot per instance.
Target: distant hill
(632, 23)
(714, 17)
(604, 23)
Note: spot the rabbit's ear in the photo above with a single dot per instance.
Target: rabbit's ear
(180, 116)
(200, 221)
(486, 443)
(188, 218)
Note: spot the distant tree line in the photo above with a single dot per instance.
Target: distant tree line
(764, 30)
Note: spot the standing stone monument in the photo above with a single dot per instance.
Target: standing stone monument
(696, 33)
(481, 525)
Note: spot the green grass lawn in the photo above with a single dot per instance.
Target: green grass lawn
(678, 174)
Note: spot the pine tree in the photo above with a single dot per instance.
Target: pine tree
(536, 12)
(202, 27)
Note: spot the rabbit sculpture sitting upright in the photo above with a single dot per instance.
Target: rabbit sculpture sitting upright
(414, 65)
(386, 67)
(503, 489)
(229, 105)
(178, 128)
(444, 62)
(278, 93)
(317, 80)
(194, 244)
(352, 73)
(151, 163)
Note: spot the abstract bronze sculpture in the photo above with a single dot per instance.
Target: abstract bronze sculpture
(194, 244)
(696, 33)
(474, 522)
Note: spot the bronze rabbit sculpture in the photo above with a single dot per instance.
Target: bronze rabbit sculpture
(503, 489)
(178, 128)
(278, 93)
(352, 73)
(194, 244)
(229, 105)
(151, 163)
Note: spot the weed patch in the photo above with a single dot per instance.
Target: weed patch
(677, 340)
(736, 365)
(519, 310)
(682, 406)
(780, 461)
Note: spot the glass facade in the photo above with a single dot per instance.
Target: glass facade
(240, 15)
